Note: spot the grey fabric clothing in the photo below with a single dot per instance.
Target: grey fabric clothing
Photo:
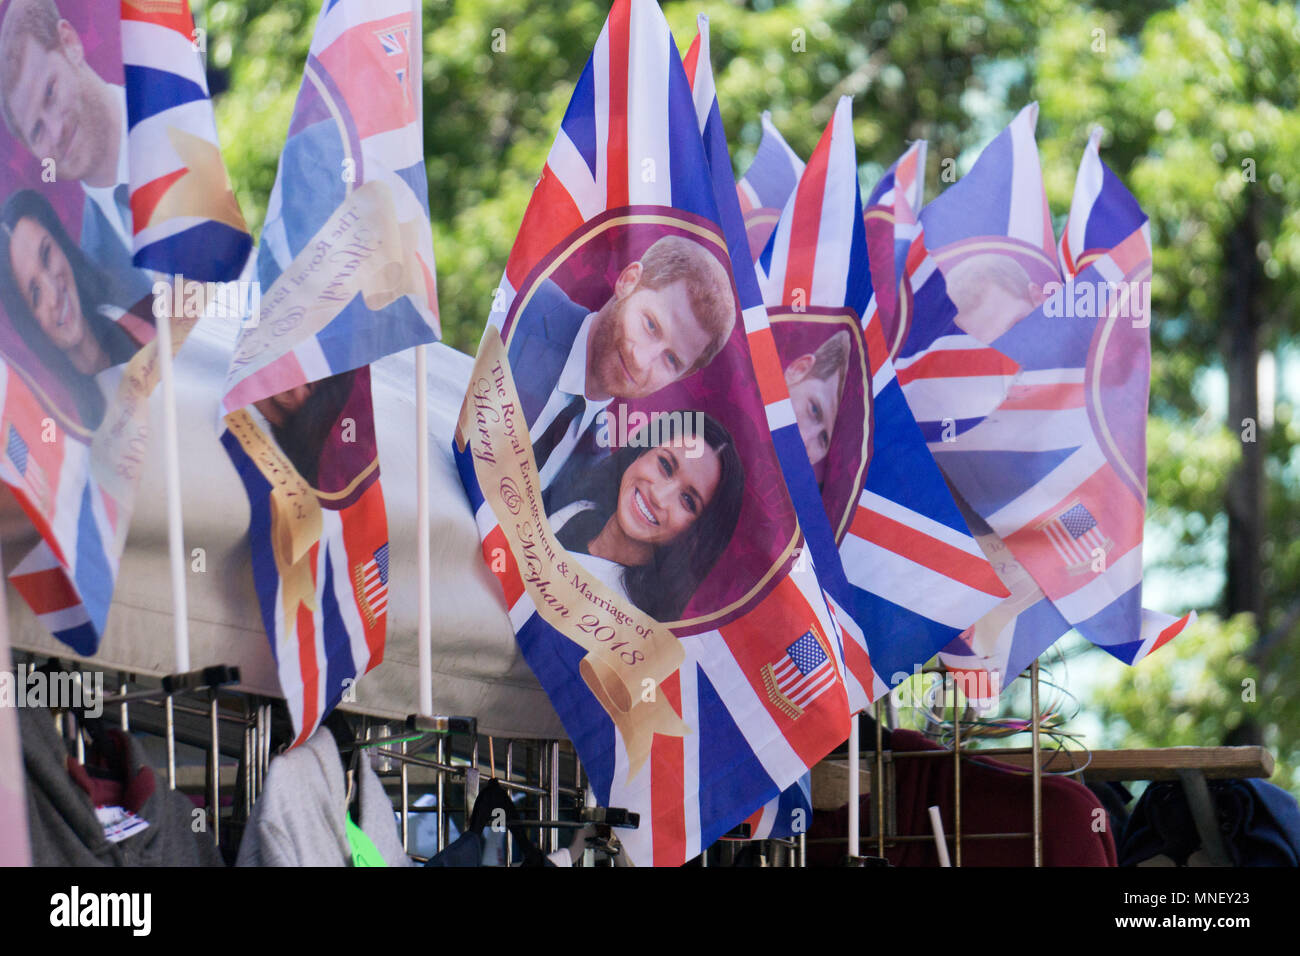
(301, 817)
(61, 817)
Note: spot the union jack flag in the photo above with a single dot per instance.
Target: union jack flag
(901, 570)
(767, 184)
(183, 219)
(183, 211)
(771, 178)
(1058, 470)
(352, 178)
(395, 43)
(633, 105)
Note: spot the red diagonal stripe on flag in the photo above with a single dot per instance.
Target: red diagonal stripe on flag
(767, 366)
(145, 199)
(46, 591)
(1044, 397)
(494, 547)
(551, 216)
(931, 552)
(957, 363)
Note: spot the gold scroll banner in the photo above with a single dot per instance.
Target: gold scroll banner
(629, 653)
(361, 248)
(295, 516)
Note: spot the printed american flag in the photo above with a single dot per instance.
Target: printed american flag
(801, 675)
(16, 449)
(1075, 536)
(372, 582)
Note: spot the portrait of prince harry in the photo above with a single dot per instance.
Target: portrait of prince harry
(671, 312)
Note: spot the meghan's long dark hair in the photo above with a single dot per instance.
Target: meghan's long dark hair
(94, 288)
(663, 587)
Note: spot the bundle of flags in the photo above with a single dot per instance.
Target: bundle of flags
(904, 574)
(1028, 368)
(346, 269)
(838, 437)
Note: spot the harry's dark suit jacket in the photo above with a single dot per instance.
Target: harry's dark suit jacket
(539, 348)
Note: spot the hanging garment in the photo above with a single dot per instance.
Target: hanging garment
(996, 798)
(301, 817)
(1259, 822)
(111, 812)
(484, 841)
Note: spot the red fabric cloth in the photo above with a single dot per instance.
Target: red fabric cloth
(127, 787)
(996, 798)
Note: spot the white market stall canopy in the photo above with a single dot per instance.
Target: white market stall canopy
(477, 667)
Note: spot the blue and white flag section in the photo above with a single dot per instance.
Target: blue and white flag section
(617, 453)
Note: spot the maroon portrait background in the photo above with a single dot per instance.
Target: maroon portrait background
(843, 470)
(725, 389)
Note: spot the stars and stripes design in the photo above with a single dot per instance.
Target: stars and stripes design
(801, 675)
(16, 450)
(1075, 536)
(633, 103)
(353, 160)
(183, 211)
(903, 574)
(372, 583)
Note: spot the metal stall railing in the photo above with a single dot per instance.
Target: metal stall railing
(226, 744)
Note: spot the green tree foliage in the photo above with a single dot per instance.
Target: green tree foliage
(1204, 690)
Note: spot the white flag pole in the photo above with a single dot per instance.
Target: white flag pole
(424, 627)
(175, 526)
